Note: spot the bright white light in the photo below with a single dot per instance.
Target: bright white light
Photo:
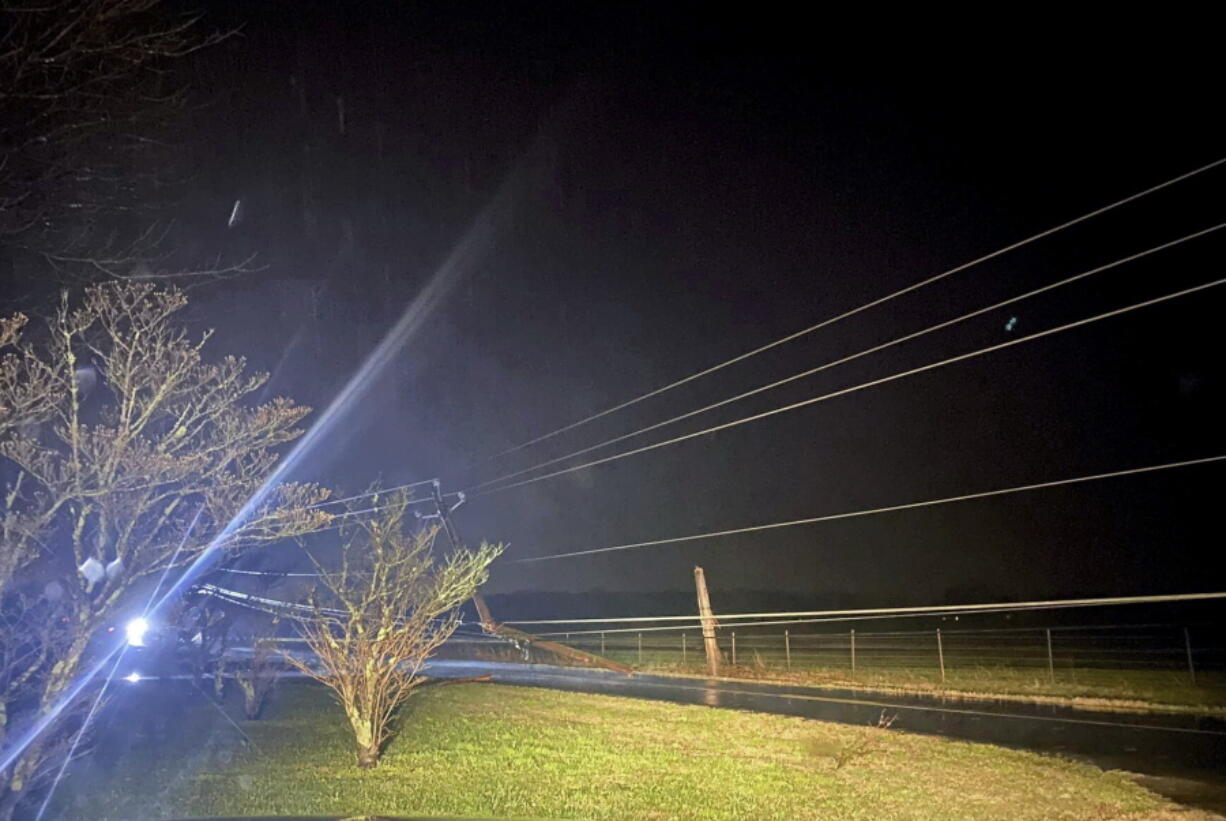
(136, 630)
(132, 678)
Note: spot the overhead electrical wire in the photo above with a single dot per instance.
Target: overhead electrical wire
(339, 525)
(937, 609)
(873, 511)
(379, 491)
(871, 304)
(250, 600)
(869, 384)
(334, 525)
(277, 573)
(278, 607)
(851, 357)
(830, 619)
(725, 625)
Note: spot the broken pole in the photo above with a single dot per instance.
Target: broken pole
(487, 619)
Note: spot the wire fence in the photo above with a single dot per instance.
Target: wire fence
(1137, 656)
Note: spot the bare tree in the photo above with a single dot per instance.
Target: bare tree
(207, 626)
(376, 620)
(125, 453)
(258, 678)
(10, 332)
(90, 115)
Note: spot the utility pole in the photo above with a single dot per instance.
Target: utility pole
(443, 514)
(453, 535)
(708, 623)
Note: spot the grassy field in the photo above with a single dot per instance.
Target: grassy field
(492, 751)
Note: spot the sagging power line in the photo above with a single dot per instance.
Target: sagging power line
(437, 499)
(425, 500)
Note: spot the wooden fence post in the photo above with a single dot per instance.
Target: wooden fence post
(602, 642)
(941, 655)
(734, 648)
(1051, 662)
(787, 648)
(683, 648)
(853, 653)
(1187, 644)
(640, 648)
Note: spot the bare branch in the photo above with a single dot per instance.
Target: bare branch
(399, 603)
(131, 453)
(89, 116)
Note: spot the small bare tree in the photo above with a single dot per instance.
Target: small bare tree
(259, 676)
(376, 620)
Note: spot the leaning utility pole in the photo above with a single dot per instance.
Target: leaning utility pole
(708, 623)
(443, 514)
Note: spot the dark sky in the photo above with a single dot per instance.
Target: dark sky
(675, 188)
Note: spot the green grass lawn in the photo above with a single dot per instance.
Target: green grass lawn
(495, 751)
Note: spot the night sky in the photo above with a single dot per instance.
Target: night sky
(670, 189)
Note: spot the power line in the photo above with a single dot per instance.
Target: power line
(865, 352)
(339, 524)
(840, 619)
(697, 625)
(249, 600)
(336, 526)
(879, 301)
(277, 573)
(278, 607)
(374, 509)
(926, 609)
(872, 383)
(378, 491)
(873, 511)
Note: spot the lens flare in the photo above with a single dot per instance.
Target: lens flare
(468, 254)
(135, 631)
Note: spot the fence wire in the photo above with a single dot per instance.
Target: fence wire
(1196, 653)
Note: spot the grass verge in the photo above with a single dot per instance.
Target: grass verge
(494, 751)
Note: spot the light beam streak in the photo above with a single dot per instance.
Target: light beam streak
(463, 258)
(72, 749)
